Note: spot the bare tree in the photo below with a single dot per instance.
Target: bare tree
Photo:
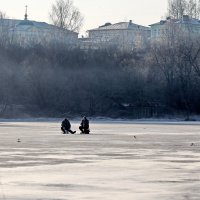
(2, 15)
(177, 56)
(178, 8)
(4, 29)
(193, 8)
(65, 15)
(193, 55)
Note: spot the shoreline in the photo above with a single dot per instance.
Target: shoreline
(178, 120)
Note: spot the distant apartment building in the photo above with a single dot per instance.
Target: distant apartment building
(27, 32)
(185, 25)
(123, 35)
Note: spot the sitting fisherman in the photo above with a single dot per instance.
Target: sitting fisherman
(66, 127)
(84, 127)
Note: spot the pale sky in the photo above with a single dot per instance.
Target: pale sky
(95, 12)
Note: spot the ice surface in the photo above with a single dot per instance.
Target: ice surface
(37, 162)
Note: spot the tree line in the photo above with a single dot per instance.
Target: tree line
(56, 80)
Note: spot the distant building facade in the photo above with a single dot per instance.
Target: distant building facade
(26, 32)
(123, 35)
(164, 28)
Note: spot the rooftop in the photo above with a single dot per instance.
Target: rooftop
(184, 20)
(27, 24)
(120, 26)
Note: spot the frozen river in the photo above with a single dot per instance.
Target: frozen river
(162, 163)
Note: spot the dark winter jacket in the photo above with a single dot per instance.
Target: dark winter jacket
(66, 124)
(85, 123)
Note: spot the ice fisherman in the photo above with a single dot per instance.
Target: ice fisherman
(66, 127)
(84, 126)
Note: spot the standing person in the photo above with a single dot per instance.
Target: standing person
(84, 127)
(66, 127)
